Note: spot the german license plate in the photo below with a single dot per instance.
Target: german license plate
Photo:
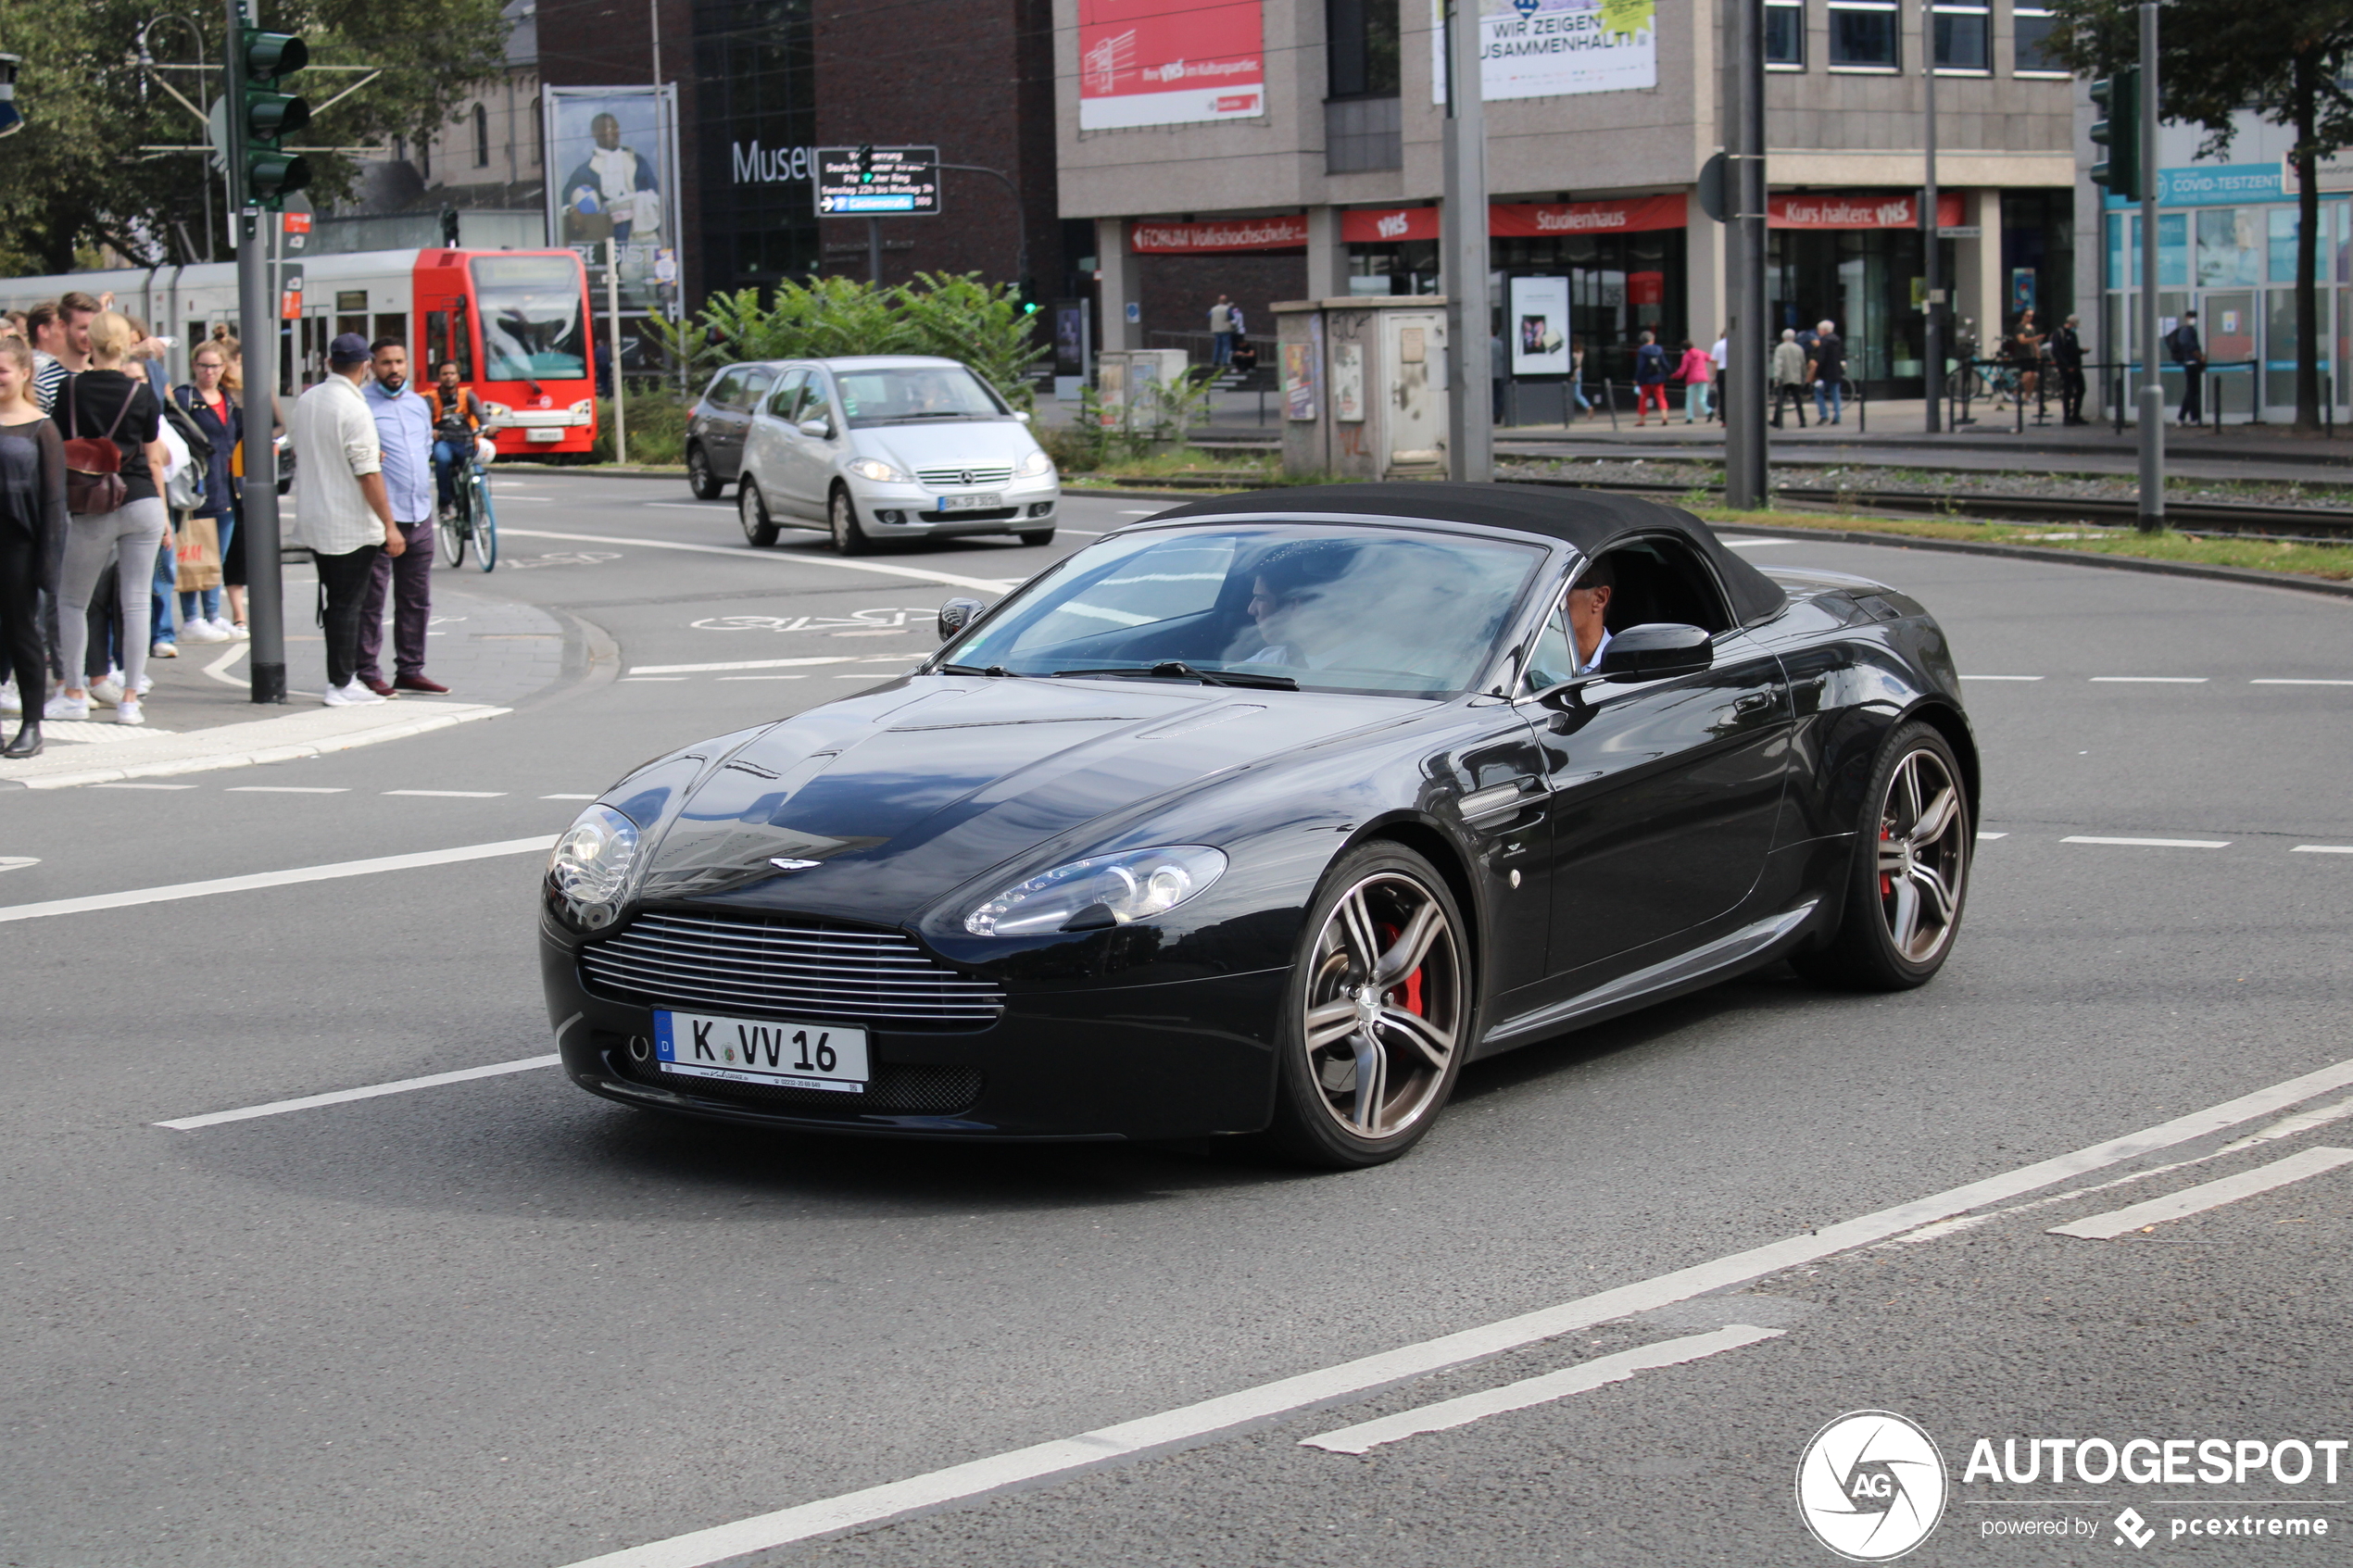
(744, 1050)
(988, 503)
(544, 432)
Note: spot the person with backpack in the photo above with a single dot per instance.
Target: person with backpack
(1650, 380)
(33, 530)
(2182, 344)
(213, 418)
(114, 449)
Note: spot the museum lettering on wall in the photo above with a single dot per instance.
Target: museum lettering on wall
(756, 165)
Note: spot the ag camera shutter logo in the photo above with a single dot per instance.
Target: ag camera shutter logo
(1871, 1486)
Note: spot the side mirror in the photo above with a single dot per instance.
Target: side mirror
(1655, 651)
(820, 429)
(955, 615)
(1021, 416)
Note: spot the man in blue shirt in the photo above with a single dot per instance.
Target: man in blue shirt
(403, 424)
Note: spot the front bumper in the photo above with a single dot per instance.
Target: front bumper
(1184, 1060)
(910, 509)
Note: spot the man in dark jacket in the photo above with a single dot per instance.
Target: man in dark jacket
(1830, 375)
(2067, 354)
(1649, 379)
(2182, 343)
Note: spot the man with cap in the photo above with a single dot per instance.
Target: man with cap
(344, 513)
(404, 422)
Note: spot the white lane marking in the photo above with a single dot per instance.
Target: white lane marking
(2000, 677)
(1141, 511)
(2207, 1195)
(2322, 849)
(274, 879)
(1760, 544)
(285, 789)
(2151, 680)
(280, 1106)
(17, 862)
(727, 506)
(655, 678)
(219, 668)
(2300, 683)
(763, 677)
(1598, 1373)
(738, 664)
(986, 584)
(567, 798)
(1369, 1373)
(127, 786)
(2152, 843)
(1090, 533)
(1983, 836)
(452, 793)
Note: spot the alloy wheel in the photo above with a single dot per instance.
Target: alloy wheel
(1923, 855)
(1385, 1006)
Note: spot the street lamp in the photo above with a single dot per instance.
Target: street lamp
(148, 63)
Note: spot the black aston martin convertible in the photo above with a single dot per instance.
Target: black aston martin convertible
(1265, 816)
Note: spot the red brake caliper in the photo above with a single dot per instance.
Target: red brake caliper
(1886, 883)
(1412, 987)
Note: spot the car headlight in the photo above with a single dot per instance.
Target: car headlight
(496, 411)
(877, 471)
(584, 410)
(589, 870)
(1101, 891)
(1034, 465)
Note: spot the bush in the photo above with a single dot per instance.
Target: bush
(958, 317)
(657, 429)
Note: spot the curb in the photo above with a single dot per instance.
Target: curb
(2247, 576)
(288, 752)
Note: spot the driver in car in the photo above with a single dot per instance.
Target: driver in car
(1588, 605)
(1288, 603)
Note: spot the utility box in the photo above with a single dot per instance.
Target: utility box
(1128, 384)
(1364, 386)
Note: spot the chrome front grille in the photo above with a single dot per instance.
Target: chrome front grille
(796, 967)
(974, 475)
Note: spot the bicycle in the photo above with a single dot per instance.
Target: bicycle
(472, 520)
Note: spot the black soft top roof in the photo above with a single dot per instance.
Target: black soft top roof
(1593, 521)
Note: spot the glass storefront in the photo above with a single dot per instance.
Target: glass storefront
(756, 65)
(1872, 283)
(2237, 267)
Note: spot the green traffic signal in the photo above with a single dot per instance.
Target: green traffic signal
(267, 116)
(272, 115)
(271, 177)
(274, 54)
(2118, 130)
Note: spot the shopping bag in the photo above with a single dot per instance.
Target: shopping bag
(198, 553)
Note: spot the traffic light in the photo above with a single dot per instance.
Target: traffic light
(866, 164)
(2118, 130)
(267, 116)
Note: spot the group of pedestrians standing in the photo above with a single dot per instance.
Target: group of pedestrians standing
(97, 452)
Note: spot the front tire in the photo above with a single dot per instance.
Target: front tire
(486, 522)
(452, 532)
(752, 511)
(706, 485)
(1908, 879)
(841, 518)
(1381, 1012)
(1035, 535)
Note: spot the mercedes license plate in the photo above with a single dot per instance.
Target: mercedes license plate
(744, 1050)
(988, 503)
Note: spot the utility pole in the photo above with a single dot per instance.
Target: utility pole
(1470, 419)
(2152, 431)
(1932, 275)
(1747, 485)
(613, 327)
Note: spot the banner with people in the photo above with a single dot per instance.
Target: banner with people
(612, 162)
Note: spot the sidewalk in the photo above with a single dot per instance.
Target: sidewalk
(201, 715)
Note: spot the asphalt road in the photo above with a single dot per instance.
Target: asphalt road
(499, 1324)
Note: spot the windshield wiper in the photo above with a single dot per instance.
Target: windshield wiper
(1177, 669)
(973, 669)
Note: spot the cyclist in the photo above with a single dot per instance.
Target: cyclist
(457, 423)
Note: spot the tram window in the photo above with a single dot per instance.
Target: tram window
(392, 323)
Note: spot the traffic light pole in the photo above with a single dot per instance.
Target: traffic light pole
(2152, 410)
(1747, 478)
(1463, 260)
(258, 335)
(1933, 281)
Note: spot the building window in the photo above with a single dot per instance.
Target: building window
(1963, 38)
(482, 137)
(1863, 35)
(2034, 27)
(1785, 34)
(538, 136)
(1360, 57)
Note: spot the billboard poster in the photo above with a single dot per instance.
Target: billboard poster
(1151, 62)
(1538, 325)
(1554, 48)
(614, 154)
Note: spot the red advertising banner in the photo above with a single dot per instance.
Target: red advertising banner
(1374, 226)
(1165, 62)
(1528, 219)
(1149, 238)
(1834, 210)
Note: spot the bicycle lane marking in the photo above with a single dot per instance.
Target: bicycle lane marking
(1370, 1374)
(984, 585)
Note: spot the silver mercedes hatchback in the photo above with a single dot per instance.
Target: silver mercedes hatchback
(891, 446)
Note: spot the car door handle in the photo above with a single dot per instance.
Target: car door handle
(1754, 703)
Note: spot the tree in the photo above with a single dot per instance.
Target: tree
(76, 177)
(2283, 60)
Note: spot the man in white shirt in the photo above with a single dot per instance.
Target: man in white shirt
(1221, 332)
(1721, 354)
(344, 513)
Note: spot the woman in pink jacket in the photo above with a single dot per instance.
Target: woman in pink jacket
(1697, 370)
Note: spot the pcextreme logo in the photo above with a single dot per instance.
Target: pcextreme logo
(1870, 1486)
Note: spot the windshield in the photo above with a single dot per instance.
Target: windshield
(939, 393)
(531, 317)
(1331, 609)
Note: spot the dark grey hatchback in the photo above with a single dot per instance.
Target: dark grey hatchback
(716, 425)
